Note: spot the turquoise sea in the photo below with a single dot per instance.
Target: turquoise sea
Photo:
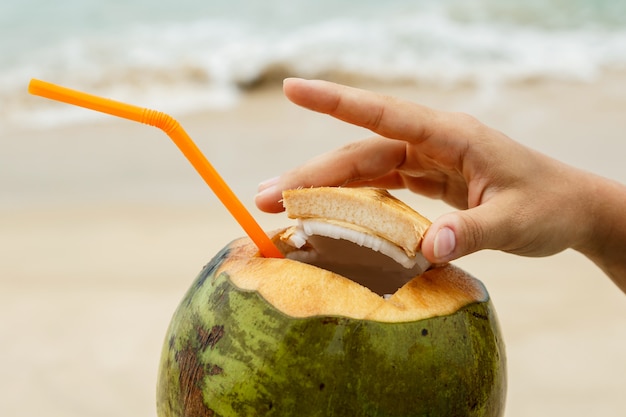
(183, 55)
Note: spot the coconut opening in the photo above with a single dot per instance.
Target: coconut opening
(369, 260)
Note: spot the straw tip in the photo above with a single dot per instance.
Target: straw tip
(34, 86)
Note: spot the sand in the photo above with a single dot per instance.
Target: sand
(104, 225)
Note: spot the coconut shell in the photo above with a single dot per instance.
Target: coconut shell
(276, 337)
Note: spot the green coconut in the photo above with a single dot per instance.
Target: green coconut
(279, 337)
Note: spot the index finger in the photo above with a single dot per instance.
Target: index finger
(388, 116)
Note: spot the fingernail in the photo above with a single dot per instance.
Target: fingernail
(263, 185)
(268, 193)
(445, 243)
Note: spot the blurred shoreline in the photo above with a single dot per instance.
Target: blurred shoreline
(103, 157)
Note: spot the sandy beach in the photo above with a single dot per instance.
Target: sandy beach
(104, 225)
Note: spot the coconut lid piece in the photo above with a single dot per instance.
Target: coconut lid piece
(369, 217)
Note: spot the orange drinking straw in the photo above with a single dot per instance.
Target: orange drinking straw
(175, 131)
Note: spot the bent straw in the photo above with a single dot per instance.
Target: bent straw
(175, 131)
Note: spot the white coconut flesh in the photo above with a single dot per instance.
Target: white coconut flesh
(363, 257)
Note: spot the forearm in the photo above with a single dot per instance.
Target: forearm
(606, 246)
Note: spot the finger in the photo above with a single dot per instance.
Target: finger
(463, 232)
(356, 163)
(385, 115)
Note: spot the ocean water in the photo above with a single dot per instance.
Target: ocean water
(187, 55)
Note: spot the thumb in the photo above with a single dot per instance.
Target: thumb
(463, 232)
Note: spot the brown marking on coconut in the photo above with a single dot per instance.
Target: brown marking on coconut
(191, 379)
(209, 339)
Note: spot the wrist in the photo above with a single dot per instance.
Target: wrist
(604, 218)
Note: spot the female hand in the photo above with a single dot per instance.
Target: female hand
(510, 197)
